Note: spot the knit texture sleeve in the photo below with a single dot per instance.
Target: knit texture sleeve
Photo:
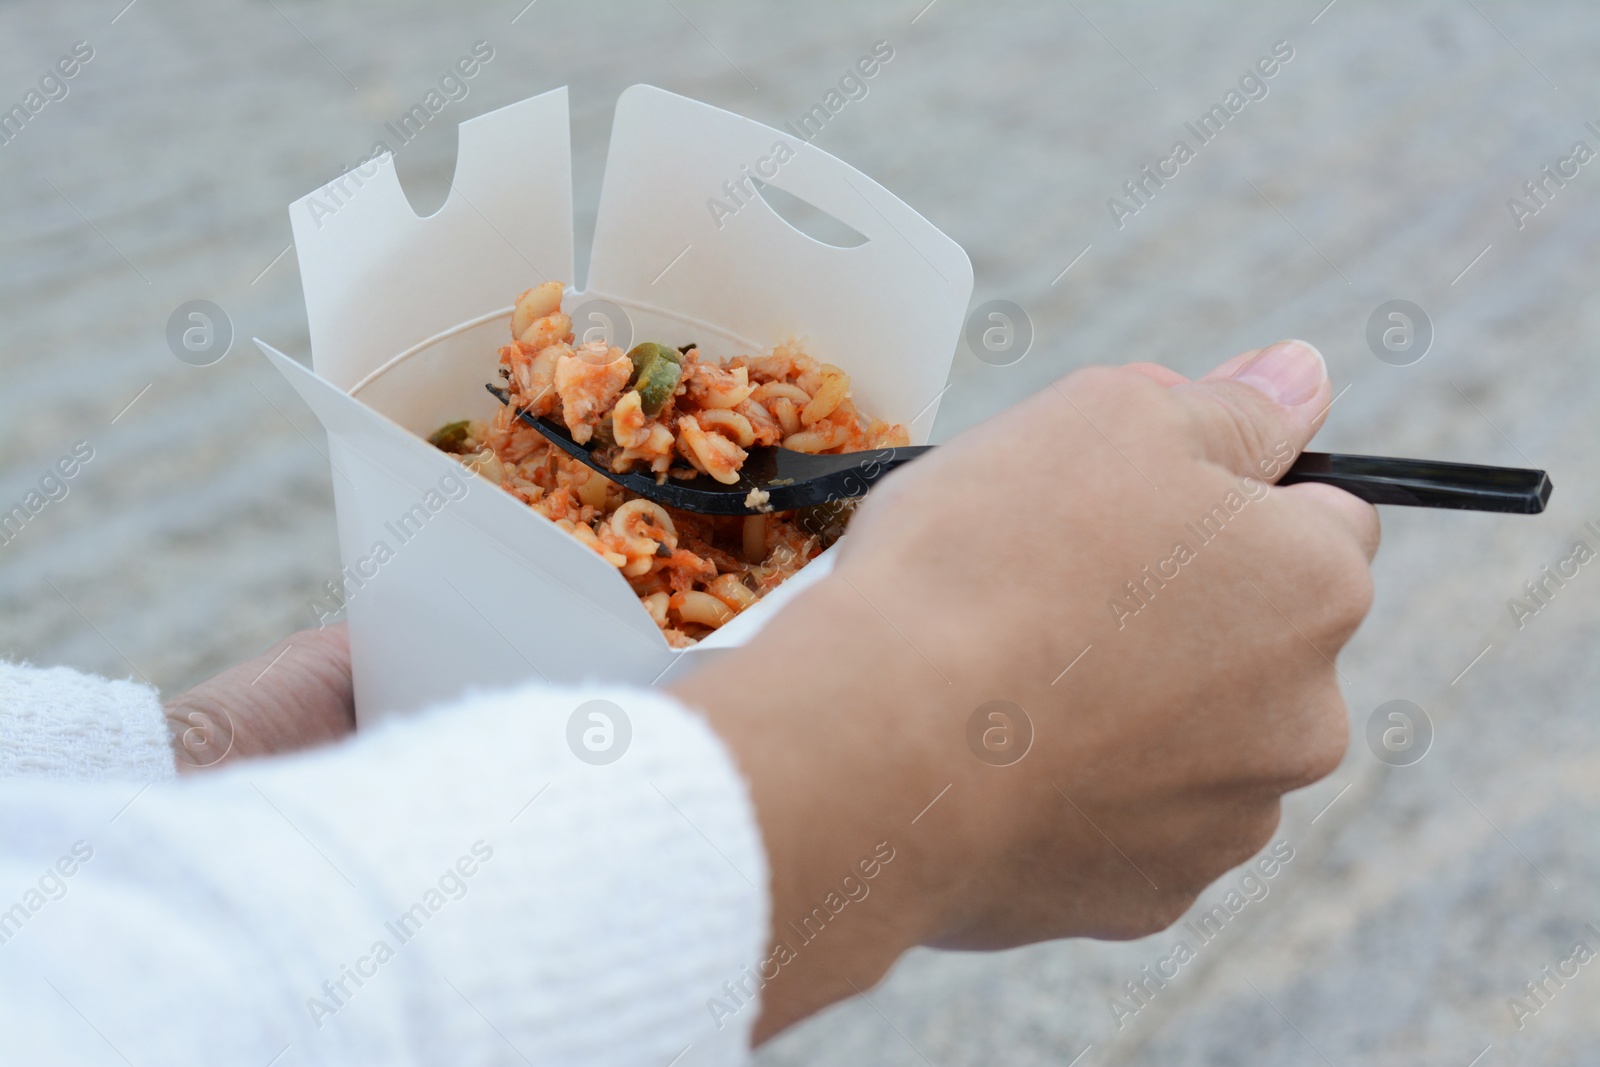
(58, 723)
(540, 876)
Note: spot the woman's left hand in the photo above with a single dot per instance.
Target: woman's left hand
(295, 695)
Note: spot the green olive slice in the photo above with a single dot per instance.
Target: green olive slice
(646, 351)
(657, 380)
(452, 436)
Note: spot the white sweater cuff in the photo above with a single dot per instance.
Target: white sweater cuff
(58, 723)
(465, 887)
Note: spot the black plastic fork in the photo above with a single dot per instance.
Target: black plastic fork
(770, 479)
(779, 479)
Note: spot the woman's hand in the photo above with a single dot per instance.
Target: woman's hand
(1110, 558)
(294, 695)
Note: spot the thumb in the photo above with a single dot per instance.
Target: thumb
(1257, 411)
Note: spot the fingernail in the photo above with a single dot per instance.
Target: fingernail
(1289, 372)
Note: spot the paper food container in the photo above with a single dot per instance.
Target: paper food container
(452, 584)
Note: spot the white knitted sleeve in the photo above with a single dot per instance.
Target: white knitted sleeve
(472, 886)
(58, 723)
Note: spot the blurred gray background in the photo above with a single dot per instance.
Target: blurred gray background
(1378, 167)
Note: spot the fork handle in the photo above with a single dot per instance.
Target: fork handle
(1422, 483)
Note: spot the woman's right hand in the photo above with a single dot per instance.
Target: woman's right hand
(1109, 557)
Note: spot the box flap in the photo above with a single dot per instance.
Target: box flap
(887, 311)
(507, 224)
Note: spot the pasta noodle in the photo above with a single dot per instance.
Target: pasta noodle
(672, 413)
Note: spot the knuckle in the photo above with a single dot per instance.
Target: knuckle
(1358, 593)
(1265, 826)
(1327, 745)
(1323, 738)
(1332, 578)
(1235, 425)
(1372, 531)
(1252, 831)
(1116, 405)
(1245, 834)
(1346, 586)
(1110, 386)
(1159, 912)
